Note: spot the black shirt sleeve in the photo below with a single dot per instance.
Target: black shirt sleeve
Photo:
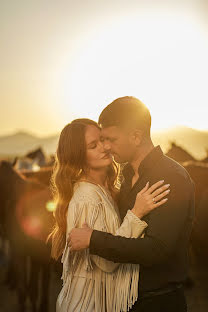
(165, 225)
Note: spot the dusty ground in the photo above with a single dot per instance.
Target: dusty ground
(197, 297)
(8, 298)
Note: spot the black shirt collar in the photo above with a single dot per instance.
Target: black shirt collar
(148, 162)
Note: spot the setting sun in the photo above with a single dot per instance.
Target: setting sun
(157, 58)
(158, 54)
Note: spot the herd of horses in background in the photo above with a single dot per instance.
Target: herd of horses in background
(26, 219)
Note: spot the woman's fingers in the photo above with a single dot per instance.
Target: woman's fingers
(144, 188)
(154, 187)
(163, 201)
(150, 198)
(160, 190)
(163, 194)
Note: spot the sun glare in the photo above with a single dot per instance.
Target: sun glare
(157, 58)
(50, 206)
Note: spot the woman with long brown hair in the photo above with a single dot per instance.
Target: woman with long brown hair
(84, 184)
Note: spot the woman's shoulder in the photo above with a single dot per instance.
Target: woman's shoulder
(87, 192)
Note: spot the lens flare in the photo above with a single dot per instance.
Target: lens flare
(50, 206)
(34, 214)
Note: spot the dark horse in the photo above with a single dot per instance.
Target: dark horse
(26, 223)
(42, 176)
(178, 153)
(199, 238)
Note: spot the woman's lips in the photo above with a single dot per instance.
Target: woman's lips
(106, 156)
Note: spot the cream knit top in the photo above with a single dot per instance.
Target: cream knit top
(112, 287)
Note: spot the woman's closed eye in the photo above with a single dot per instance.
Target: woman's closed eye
(92, 146)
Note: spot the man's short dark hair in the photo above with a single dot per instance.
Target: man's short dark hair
(126, 111)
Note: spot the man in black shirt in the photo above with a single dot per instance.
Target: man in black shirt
(163, 252)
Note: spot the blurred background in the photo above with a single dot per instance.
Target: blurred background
(62, 60)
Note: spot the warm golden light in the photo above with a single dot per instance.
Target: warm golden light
(75, 64)
(50, 206)
(35, 167)
(156, 57)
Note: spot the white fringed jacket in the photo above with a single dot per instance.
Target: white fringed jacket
(91, 283)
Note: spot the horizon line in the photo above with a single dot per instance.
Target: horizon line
(31, 133)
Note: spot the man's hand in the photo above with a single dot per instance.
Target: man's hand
(79, 239)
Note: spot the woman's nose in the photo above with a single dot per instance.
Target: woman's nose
(100, 145)
(106, 146)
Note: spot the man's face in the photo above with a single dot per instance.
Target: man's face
(119, 143)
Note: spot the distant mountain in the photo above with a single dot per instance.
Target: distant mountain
(193, 141)
(21, 143)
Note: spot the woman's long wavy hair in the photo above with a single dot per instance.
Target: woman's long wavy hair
(70, 161)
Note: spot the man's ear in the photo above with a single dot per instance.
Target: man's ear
(136, 136)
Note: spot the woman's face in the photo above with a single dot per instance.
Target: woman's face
(96, 156)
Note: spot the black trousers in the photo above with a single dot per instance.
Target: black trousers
(173, 301)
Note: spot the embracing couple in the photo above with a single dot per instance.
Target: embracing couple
(123, 244)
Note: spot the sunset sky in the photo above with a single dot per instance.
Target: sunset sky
(66, 59)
